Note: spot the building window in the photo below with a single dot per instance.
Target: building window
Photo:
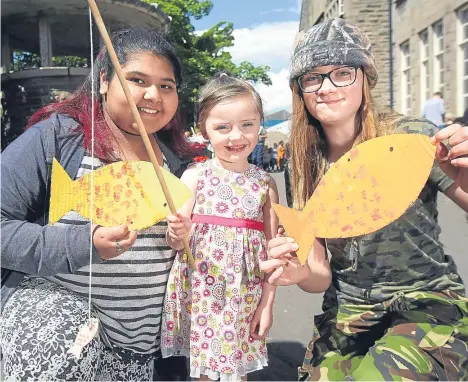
(438, 40)
(335, 8)
(425, 75)
(405, 78)
(463, 60)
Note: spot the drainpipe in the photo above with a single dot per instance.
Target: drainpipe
(390, 49)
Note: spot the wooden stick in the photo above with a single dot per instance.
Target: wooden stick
(136, 115)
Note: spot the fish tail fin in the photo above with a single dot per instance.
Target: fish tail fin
(296, 226)
(61, 188)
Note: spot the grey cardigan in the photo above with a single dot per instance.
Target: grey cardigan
(29, 245)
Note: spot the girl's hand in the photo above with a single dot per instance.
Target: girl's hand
(453, 162)
(111, 242)
(178, 226)
(283, 262)
(262, 321)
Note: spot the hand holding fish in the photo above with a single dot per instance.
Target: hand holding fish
(453, 162)
(178, 228)
(111, 242)
(283, 262)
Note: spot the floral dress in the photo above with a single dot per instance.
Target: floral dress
(208, 311)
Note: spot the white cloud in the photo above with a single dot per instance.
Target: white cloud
(265, 44)
(268, 44)
(277, 96)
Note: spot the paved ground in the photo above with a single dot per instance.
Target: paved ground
(294, 309)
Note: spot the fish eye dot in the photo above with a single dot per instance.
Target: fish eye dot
(349, 159)
(391, 149)
(165, 204)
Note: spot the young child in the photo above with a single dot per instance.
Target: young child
(220, 313)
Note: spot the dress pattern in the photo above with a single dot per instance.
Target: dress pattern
(207, 312)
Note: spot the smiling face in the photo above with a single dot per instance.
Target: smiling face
(232, 127)
(330, 104)
(153, 87)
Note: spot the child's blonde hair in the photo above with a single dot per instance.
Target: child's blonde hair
(221, 88)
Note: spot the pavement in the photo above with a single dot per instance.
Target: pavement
(295, 309)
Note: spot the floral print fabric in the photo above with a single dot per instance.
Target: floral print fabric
(39, 325)
(208, 311)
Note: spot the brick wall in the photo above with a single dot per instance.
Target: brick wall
(372, 16)
(311, 11)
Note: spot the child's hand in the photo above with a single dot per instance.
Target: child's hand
(262, 321)
(178, 226)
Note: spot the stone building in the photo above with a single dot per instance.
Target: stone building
(421, 46)
(51, 28)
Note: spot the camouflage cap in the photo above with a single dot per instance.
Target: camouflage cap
(333, 42)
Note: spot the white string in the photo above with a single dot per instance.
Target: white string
(92, 161)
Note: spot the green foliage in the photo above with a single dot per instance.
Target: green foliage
(27, 60)
(70, 61)
(203, 55)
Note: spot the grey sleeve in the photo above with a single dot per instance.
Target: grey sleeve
(27, 246)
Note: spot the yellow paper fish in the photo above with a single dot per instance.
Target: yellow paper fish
(368, 188)
(124, 193)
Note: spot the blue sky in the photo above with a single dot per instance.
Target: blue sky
(264, 32)
(247, 13)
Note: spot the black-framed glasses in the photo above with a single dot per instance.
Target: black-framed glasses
(340, 77)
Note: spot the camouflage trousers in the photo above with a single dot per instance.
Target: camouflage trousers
(419, 336)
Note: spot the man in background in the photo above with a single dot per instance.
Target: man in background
(434, 109)
(257, 155)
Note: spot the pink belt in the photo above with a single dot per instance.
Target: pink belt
(228, 222)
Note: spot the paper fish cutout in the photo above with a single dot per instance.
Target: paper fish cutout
(124, 193)
(366, 189)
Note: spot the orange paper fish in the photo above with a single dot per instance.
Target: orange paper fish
(124, 193)
(365, 190)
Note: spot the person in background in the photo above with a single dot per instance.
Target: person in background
(274, 157)
(257, 154)
(434, 110)
(281, 154)
(266, 158)
(449, 119)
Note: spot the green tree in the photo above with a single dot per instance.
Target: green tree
(202, 55)
(27, 60)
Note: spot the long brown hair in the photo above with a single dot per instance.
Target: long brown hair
(309, 147)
